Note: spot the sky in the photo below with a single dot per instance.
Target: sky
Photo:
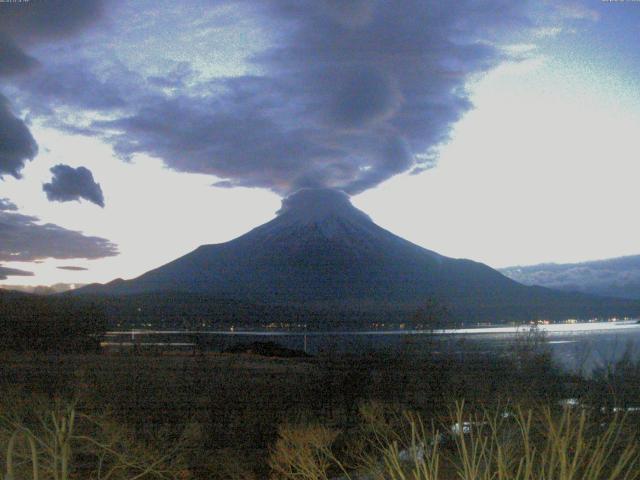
(132, 132)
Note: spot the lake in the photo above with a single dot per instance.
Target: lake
(582, 346)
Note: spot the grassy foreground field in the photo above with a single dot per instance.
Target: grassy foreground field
(244, 416)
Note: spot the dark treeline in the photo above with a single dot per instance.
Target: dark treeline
(193, 310)
(50, 324)
(197, 311)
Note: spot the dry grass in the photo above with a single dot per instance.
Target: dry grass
(304, 451)
(503, 444)
(53, 441)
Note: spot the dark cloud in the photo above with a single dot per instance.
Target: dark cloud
(6, 272)
(47, 19)
(72, 268)
(12, 59)
(177, 77)
(7, 205)
(349, 94)
(365, 96)
(73, 85)
(17, 146)
(24, 239)
(71, 82)
(23, 24)
(70, 184)
(215, 138)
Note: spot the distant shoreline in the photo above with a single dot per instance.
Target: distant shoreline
(547, 328)
(551, 328)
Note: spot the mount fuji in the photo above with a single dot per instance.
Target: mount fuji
(321, 253)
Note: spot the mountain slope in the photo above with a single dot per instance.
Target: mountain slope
(615, 277)
(322, 253)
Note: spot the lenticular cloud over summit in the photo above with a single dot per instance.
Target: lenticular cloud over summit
(336, 94)
(317, 203)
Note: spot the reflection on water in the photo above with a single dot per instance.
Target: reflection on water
(576, 347)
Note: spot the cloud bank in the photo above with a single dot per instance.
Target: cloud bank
(24, 239)
(70, 184)
(350, 94)
(341, 94)
(338, 94)
(617, 277)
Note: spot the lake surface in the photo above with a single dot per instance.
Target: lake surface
(577, 347)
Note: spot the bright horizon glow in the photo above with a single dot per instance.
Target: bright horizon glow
(541, 171)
